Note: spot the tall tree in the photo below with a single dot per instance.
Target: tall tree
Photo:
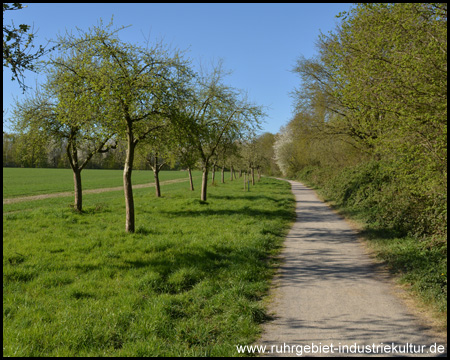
(385, 69)
(137, 83)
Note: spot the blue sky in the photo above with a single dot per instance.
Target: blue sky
(258, 42)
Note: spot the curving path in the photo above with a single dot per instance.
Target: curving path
(330, 293)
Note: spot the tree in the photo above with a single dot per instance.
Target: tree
(137, 84)
(185, 149)
(284, 152)
(63, 112)
(235, 159)
(187, 155)
(19, 151)
(9, 150)
(210, 113)
(386, 68)
(157, 150)
(17, 45)
(225, 151)
(266, 154)
(249, 155)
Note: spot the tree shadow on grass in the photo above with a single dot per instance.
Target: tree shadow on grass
(182, 269)
(244, 197)
(244, 211)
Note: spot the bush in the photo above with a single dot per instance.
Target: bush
(378, 193)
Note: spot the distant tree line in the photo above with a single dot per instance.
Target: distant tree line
(48, 154)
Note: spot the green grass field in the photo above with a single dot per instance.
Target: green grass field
(189, 282)
(26, 182)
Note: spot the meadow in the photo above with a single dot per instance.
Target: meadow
(26, 181)
(190, 282)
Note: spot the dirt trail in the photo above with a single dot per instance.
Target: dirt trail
(329, 292)
(93, 191)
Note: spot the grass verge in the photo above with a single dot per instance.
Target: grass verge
(189, 282)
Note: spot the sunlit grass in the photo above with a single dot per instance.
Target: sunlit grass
(189, 282)
(35, 181)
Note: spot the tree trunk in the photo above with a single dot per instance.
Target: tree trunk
(253, 176)
(190, 179)
(259, 174)
(156, 169)
(245, 182)
(77, 187)
(128, 189)
(204, 183)
(213, 176)
(157, 187)
(231, 172)
(223, 175)
(72, 154)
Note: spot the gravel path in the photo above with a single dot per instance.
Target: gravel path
(329, 292)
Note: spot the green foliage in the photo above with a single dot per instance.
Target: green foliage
(213, 115)
(371, 189)
(372, 111)
(422, 264)
(386, 73)
(382, 79)
(265, 154)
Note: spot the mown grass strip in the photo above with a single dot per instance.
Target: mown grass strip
(89, 191)
(27, 182)
(189, 282)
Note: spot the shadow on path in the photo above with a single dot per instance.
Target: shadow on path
(328, 290)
